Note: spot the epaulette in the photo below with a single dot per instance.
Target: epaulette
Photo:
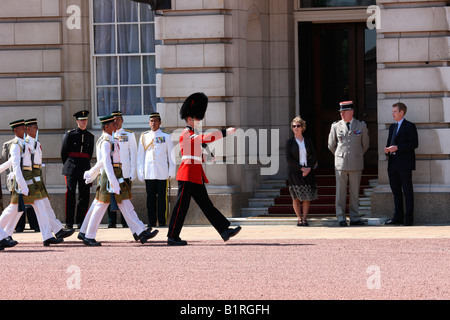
(336, 121)
(102, 138)
(128, 130)
(166, 132)
(70, 131)
(145, 132)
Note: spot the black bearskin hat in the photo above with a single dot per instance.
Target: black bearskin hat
(194, 106)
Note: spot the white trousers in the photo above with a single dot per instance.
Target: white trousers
(55, 224)
(10, 217)
(97, 211)
(3, 234)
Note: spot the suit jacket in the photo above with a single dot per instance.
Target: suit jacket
(294, 168)
(348, 146)
(406, 141)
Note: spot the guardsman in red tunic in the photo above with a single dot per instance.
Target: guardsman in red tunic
(191, 177)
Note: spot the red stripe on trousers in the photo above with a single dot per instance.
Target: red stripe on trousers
(176, 217)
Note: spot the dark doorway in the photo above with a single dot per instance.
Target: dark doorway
(337, 62)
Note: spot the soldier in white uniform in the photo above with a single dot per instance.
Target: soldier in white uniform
(156, 167)
(128, 154)
(348, 141)
(26, 187)
(36, 157)
(111, 187)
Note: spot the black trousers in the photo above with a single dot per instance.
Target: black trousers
(186, 190)
(401, 185)
(32, 219)
(156, 201)
(82, 205)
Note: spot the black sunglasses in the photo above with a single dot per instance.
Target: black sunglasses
(296, 126)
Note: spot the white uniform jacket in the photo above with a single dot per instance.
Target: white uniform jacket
(155, 156)
(128, 152)
(36, 150)
(16, 153)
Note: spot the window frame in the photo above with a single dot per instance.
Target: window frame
(133, 121)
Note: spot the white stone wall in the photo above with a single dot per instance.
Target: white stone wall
(239, 53)
(413, 51)
(44, 71)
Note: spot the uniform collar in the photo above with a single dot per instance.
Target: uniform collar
(108, 136)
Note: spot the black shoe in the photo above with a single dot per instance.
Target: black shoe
(176, 242)
(68, 226)
(392, 222)
(52, 240)
(408, 223)
(227, 234)
(111, 225)
(91, 242)
(61, 234)
(124, 225)
(81, 236)
(6, 243)
(19, 230)
(147, 235)
(357, 223)
(136, 237)
(343, 223)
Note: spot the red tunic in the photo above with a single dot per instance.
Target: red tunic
(191, 168)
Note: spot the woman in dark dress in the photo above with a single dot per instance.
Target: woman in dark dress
(301, 158)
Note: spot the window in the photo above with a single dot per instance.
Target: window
(123, 51)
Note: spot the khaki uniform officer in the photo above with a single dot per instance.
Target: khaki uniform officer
(348, 141)
(156, 167)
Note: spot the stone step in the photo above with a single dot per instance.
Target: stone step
(260, 202)
(313, 222)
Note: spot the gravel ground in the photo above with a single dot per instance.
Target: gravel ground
(241, 269)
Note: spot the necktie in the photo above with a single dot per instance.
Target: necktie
(348, 126)
(394, 134)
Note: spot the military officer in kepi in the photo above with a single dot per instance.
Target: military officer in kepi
(112, 189)
(128, 153)
(348, 141)
(76, 154)
(156, 167)
(191, 177)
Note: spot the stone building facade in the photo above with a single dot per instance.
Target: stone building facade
(261, 62)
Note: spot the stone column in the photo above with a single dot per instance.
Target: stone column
(413, 50)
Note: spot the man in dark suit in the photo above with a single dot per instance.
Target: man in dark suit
(400, 146)
(76, 154)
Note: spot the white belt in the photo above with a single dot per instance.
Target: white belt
(36, 179)
(191, 158)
